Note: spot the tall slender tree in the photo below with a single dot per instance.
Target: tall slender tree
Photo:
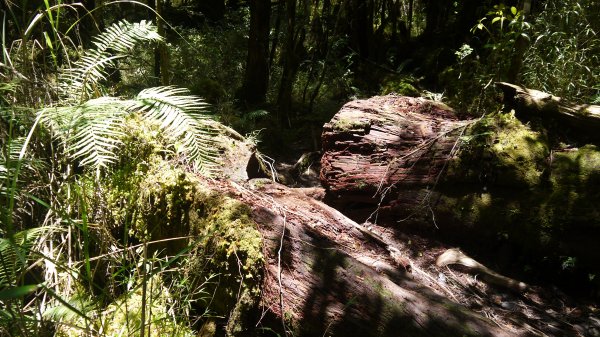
(256, 79)
(292, 50)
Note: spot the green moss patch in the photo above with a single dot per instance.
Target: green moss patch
(153, 199)
(500, 150)
(508, 188)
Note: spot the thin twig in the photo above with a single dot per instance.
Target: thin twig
(279, 274)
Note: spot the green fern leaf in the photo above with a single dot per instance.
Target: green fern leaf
(184, 118)
(81, 82)
(90, 131)
(15, 254)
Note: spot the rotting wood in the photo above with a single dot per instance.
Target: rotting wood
(371, 146)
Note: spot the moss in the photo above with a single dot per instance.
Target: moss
(346, 124)
(399, 85)
(576, 167)
(152, 199)
(500, 150)
(173, 203)
(550, 218)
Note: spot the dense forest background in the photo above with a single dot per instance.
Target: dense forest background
(86, 86)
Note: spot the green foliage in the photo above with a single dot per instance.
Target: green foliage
(209, 60)
(82, 81)
(564, 58)
(504, 16)
(15, 255)
(561, 54)
(91, 130)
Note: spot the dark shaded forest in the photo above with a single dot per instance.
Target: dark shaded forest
(299, 168)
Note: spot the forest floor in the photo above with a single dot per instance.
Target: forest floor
(539, 311)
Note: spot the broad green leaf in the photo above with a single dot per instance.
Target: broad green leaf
(17, 292)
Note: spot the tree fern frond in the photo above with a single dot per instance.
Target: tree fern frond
(14, 254)
(80, 82)
(90, 131)
(122, 36)
(184, 117)
(9, 160)
(62, 312)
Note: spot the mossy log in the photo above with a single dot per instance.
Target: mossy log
(491, 184)
(287, 262)
(529, 103)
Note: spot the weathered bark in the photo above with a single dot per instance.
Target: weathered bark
(529, 103)
(326, 277)
(376, 144)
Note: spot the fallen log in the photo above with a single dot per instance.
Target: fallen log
(327, 275)
(372, 146)
(530, 103)
(491, 184)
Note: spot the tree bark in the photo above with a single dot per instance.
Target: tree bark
(374, 143)
(322, 286)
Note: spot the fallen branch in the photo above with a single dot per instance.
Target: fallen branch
(455, 256)
(529, 102)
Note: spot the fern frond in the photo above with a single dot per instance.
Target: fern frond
(90, 131)
(9, 160)
(14, 254)
(72, 310)
(122, 36)
(184, 118)
(81, 82)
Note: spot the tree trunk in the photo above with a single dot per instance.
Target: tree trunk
(521, 43)
(256, 80)
(161, 56)
(359, 25)
(291, 60)
(410, 17)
